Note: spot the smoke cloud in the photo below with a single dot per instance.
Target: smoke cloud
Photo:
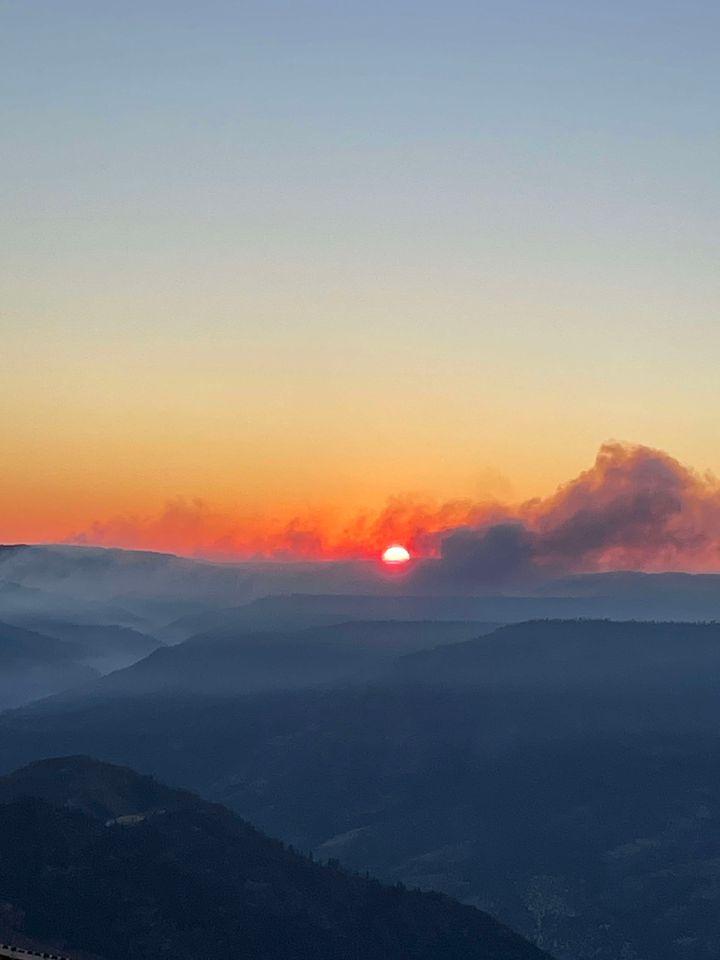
(635, 508)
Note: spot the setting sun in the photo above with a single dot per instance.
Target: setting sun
(395, 554)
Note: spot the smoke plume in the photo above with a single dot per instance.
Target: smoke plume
(635, 508)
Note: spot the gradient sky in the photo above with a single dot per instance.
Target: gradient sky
(301, 256)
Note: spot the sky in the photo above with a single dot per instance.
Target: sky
(277, 267)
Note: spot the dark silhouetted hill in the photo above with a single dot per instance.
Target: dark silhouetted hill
(116, 864)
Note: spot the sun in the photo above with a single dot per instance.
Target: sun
(395, 554)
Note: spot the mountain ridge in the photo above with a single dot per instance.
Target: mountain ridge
(188, 879)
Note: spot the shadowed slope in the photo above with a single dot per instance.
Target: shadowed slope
(170, 875)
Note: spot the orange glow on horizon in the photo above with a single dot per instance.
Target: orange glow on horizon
(635, 508)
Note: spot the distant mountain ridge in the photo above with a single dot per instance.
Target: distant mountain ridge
(575, 652)
(105, 647)
(21, 601)
(155, 589)
(237, 662)
(33, 665)
(41, 658)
